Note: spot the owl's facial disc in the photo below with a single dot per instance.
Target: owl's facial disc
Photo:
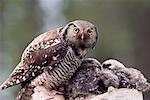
(81, 34)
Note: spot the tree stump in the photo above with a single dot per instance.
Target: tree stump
(41, 93)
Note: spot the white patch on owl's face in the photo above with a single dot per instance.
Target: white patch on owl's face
(112, 64)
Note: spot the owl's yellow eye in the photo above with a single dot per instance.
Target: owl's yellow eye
(76, 30)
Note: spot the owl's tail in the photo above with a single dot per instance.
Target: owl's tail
(14, 79)
(8, 83)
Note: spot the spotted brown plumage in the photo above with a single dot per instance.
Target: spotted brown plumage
(56, 50)
(35, 57)
(61, 73)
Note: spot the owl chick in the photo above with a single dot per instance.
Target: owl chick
(84, 80)
(60, 51)
(89, 80)
(128, 77)
(106, 79)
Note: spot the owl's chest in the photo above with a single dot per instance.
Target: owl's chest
(63, 70)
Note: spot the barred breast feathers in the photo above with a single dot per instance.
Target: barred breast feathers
(61, 73)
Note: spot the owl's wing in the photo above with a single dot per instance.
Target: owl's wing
(45, 50)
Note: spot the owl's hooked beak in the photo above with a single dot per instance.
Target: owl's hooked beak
(81, 36)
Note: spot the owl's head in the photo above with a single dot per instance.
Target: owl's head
(112, 64)
(80, 33)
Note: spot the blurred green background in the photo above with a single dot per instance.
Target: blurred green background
(123, 25)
